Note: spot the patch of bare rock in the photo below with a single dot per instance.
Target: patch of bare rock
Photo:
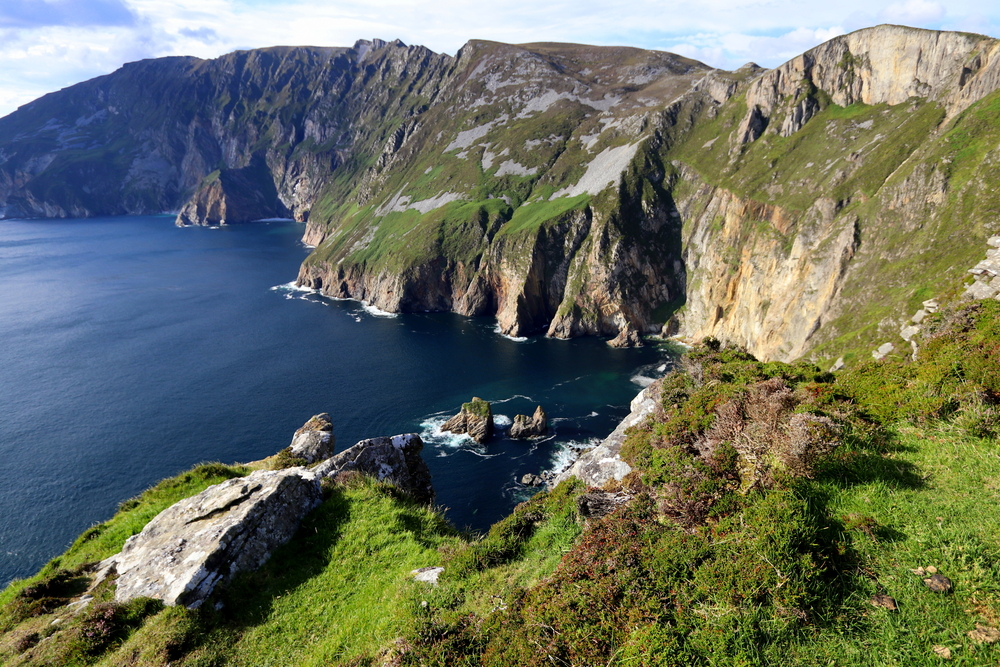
(199, 542)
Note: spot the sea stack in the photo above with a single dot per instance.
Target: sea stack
(529, 427)
(475, 419)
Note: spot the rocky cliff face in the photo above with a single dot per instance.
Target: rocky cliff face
(827, 199)
(565, 189)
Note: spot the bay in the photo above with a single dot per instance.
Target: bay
(131, 349)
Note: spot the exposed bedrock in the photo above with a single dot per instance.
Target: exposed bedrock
(200, 542)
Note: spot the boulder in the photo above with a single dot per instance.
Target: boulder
(315, 441)
(476, 419)
(529, 427)
(190, 547)
(531, 479)
(394, 459)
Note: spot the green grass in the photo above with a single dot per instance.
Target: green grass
(337, 590)
(106, 539)
(530, 217)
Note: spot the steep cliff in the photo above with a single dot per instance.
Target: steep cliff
(564, 189)
(826, 201)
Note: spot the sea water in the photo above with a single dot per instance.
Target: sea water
(131, 349)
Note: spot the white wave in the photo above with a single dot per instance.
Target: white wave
(431, 433)
(593, 414)
(502, 421)
(642, 380)
(568, 452)
(376, 311)
(516, 339)
(292, 287)
(662, 368)
(512, 398)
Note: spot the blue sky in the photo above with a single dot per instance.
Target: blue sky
(50, 44)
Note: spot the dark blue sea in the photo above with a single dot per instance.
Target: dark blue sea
(131, 350)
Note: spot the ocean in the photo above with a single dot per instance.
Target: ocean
(131, 350)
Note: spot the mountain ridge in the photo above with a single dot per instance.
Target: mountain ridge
(563, 188)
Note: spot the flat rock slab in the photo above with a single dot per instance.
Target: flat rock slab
(231, 527)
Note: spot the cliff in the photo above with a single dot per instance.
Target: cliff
(747, 499)
(564, 189)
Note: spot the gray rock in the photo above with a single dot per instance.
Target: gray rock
(597, 466)
(394, 459)
(428, 575)
(883, 349)
(476, 419)
(909, 332)
(980, 290)
(529, 427)
(993, 241)
(628, 336)
(598, 504)
(193, 545)
(315, 441)
(931, 305)
(837, 365)
(919, 316)
(531, 480)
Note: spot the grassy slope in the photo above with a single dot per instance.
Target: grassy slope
(738, 548)
(862, 156)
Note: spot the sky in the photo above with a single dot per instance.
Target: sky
(46, 45)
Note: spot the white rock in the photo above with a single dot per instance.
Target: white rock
(883, 349)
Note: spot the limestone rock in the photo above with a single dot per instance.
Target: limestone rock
(428, 575)
(476, 419)
(395, 459)
(190, 547)
(837, 365)
(909, 332)
(315, 441)
(883, 349)
(597, 466)
(528, 427)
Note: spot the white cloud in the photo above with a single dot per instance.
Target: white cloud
(35, 59)
(913, 12)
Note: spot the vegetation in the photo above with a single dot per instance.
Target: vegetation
(776, 514)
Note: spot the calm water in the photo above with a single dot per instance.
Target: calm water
(131, 350)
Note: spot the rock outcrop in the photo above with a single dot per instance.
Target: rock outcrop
(529, 427)
(197, 543)
(315, 441)
(475, 419)
(601, 464)
(188, 549)
(394, 459)
(233, 196)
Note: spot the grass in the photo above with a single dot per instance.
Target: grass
(768, 506)
(351, 559)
